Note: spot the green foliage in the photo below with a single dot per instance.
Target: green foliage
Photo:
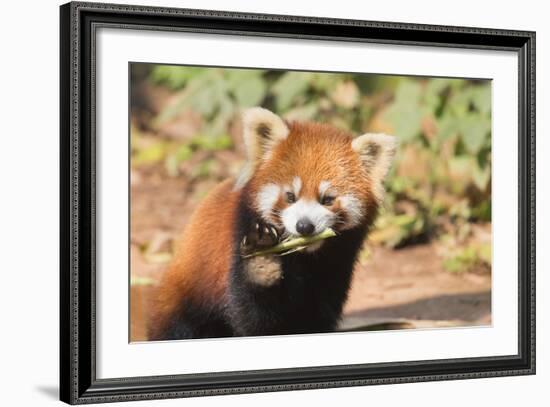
(215, 93)
(219, 94)
(397, 230)
(151, 154)
(175, 153)
(174, 76)
(406, 112)
(468, 258)
(289, 89)
(444, 130)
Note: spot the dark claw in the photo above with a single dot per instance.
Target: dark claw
(259, 231)
(260, 237)
(274, 233)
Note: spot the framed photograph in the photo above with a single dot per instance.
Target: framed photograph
(255, 203)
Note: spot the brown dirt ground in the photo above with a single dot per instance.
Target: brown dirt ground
(405, 288)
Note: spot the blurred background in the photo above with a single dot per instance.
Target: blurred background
(427, 262)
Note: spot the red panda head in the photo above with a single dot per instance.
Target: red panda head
(305, 177)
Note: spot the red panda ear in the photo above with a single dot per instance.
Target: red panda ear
(262, 129)
(376, 152)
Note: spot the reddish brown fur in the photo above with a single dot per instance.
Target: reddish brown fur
(203, 255)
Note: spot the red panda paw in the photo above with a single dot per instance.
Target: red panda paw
(260, 236)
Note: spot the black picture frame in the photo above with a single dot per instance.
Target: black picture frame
(78, 382)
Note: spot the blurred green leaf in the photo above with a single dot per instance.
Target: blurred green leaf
(481, 176)
(485, 252)
(448, 126)
(481, 98)
(394, 230)
(436, 86)
(433, 93)
(182, 153)
(175, 76)
(218, 124)
(459, 104)
(203, 169)
(323, 82)
(251, 92)
(474, 129)
(404, 113)
(468, 258)
(288, 87)
(306, 112)
(408, 92)
(482, 211)
(212, 143)
(149, 155)
(171, 165)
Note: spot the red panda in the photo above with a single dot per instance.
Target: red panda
(300, 178)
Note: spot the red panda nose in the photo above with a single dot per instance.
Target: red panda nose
(305, 227)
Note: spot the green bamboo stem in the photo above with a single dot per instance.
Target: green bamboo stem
(290, 245)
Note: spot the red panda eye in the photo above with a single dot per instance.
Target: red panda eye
(327, 200)
(290, 197)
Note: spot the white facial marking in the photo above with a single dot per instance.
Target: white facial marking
(267, 197)
(317, 214)
(296, 185)
(323, 187)
(354, 210)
